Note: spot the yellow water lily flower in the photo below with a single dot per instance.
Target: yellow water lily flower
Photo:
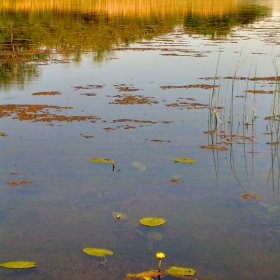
(160, 255)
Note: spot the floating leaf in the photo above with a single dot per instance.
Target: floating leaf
(272, 209)
(121, 216)
(185, 160)
(180, 271)
(142, 168)
(152, 221)
(101, 160)
(139, 165)
(136, 164)
(2, 133)
(18, 265)
(155, 235)
(97, 252)
(264, 204)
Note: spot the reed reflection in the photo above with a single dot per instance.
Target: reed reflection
(232, 125)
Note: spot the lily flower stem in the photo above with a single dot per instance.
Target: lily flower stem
(159, 265)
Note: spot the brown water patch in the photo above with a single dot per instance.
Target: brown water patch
(177, 181)
(260, 91)
(247, 195)
(135, 121)
(109, 128)
(88, 87)
(273, 143)
(156, 140)
(16, 184)
(142, 122)
(88, 94)
(129, 127)
(212, 132)
(40, 113)
(129, 99)
(86, 136)
(214, 147)
(47, 93)
(187, 105)
(203, 86)
(124, 87)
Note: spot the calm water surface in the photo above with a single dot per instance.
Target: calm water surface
(135, 81)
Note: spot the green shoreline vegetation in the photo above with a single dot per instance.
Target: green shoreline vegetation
(34, 31)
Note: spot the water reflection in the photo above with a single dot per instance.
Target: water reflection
(64, 26)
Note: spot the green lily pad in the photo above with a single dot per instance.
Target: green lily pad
(18, 265)
(142, 168)
(121, 216)
(2, 133)
(152, 221)
(180, 271)
(155, 235)
(97, 252)
(272, 209)
(264, 204)
(101, 160)
(185, 160)
(138, 164)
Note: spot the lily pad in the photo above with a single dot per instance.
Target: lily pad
(119, 216)
(18, 265)
(272, 209)
(101, 160)
(152, 221)
(155, 235)
(97, 252)
(2, 133)
(185, 160)
(138, 164)
(142, 168)
(264, 204)
(180, 271)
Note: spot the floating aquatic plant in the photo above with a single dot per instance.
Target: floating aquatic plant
(185, 160)
(272, 209)
(180, 271)
(97, 252)
(155, 235)
(18, 265)
(152, 221)
(2, 133)
(139, 165)
(101, 160)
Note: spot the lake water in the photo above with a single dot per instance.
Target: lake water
(141, 83)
